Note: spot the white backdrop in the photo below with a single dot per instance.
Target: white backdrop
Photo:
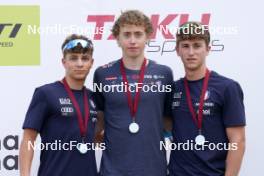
(240, 59)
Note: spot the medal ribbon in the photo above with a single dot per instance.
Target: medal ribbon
(82, 122)
(133, 106)
(197, 121)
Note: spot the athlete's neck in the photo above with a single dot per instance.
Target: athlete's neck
(75, 84)
(133, 63)
(196, 74)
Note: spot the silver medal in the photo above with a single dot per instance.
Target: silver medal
(82, 147)
(133, 127)
(200, 139)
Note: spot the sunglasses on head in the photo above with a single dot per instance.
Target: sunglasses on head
(73, 43)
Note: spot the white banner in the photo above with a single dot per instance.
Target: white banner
(237, 34)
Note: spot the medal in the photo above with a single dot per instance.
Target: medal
(133, 127)
(82, 147)
(199, 139)
(82, 122)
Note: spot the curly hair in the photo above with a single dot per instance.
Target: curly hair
(132, 17)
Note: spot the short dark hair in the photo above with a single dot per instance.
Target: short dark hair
(192, 30)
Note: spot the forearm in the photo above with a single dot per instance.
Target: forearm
(167, 123)
(27, 151)
(234, 159)
(26, 155)
(99, 129)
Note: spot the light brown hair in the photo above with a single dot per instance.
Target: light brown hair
(132, 17)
